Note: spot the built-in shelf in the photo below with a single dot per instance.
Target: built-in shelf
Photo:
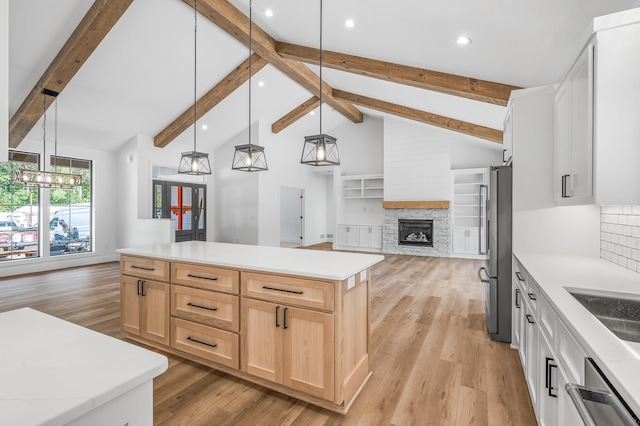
(362, 186)
(468, 211)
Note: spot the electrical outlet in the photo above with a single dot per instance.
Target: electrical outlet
(329, 235)
(322, 236)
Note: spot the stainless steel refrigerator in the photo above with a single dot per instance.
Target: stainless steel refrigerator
(496, 274)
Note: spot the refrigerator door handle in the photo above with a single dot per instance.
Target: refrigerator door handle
(482, 202)
(484, 280)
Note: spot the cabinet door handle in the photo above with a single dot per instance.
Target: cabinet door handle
(284, 315)
(504, 151)
(201, 278)
(281, 289)
(142, 267)
(212, 345)
(139, 285)
(142, 282)
(530, 319)
(548, 380)
(202, 307)
(532, 296)
(517, 299)
(277, 309)
(519, 276)
(565, 185)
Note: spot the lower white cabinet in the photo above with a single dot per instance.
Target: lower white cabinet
(550, 355)
(359, 237)
(466, 240)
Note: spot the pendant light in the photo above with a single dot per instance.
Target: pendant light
(43, 178)
(249, 157)
(320, 150)
(194, 162)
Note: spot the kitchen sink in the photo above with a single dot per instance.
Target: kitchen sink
(620, 314)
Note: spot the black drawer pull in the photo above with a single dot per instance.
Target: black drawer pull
(277, 309)
(202, 343)
(201, 307)
(530, 319)
(517, 298)
(201, 278)
(143, 268)
(532, 296)
(284, 315)
(281, 289)
(519, 276)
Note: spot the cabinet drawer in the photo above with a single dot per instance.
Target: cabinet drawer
(209, 343)
(206, 307)
(297, 291)
(144, 267)
(206, 277)
(520, 276)
(547, 320)
(532, 295)
(570, 354)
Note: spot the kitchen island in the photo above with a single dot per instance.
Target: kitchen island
(53, 372)
(292, 320)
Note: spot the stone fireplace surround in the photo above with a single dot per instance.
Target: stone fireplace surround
(441, 231)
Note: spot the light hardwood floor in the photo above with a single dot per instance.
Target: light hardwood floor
(433, 363)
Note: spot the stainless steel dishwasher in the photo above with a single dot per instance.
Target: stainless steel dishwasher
(597, 401)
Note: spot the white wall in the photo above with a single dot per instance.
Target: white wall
(417, 162)
(283, 152)
(134, 202)
(4, 81)
(105, 214)
(471, 153)
(235, 203)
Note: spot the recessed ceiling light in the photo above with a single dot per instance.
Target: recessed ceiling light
(204, 127)
(464, 40)
(261, 83)
(349, 23)
(269, 13)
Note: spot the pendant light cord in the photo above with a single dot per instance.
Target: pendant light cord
(195, 70)
(44, 130)
(320, 66)
(250, 55)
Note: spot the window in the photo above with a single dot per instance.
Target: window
(71, 210)
(18, 209)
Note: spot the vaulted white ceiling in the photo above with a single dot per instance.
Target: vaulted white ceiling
(140, 78)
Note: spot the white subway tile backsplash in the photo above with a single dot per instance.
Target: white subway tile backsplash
(620, 235)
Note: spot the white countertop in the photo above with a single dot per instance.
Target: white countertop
(309, 263)
(619, 359)
(53, 371)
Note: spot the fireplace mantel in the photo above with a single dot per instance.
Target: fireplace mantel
(441, 204)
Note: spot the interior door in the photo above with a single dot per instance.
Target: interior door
(185, 203)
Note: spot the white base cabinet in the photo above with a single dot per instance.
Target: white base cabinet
(359, 237)
(550, 356)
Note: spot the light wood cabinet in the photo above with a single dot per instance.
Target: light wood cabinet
(145, 308)
(289, 345)
(307, 338)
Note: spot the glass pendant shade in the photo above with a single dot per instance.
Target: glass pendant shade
(320, 150)
(44, 179)
(249, 158)
(194, 163)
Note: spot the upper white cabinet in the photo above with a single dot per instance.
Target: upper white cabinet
(573, 176)
(507, 138)
(596, 117)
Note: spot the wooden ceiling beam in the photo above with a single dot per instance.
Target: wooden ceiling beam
(91, 30)
(422, 116)
(230, 19)
(297, 113)
(471, 88)
(213, 97)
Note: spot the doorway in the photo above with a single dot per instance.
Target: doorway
(291, 217)
(185, 204)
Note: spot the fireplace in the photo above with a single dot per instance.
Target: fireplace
(414, 232)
